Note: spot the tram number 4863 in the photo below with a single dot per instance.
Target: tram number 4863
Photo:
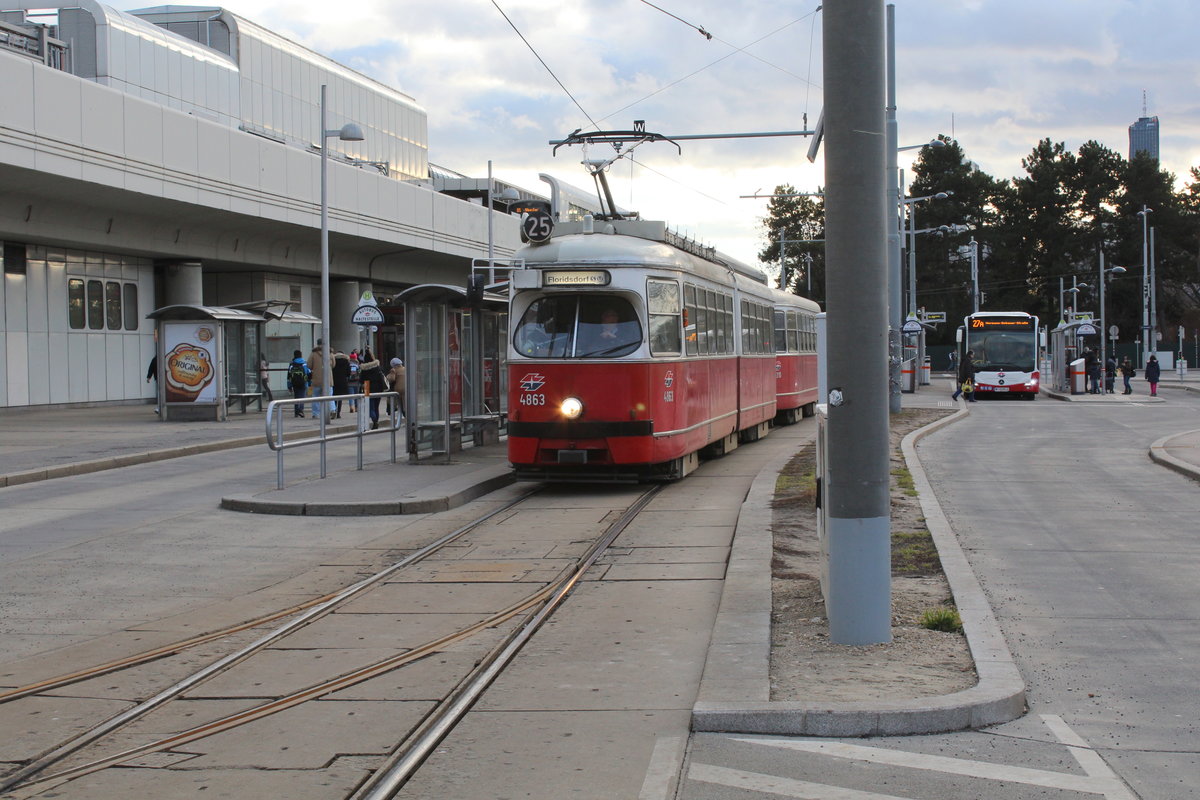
(533, 400)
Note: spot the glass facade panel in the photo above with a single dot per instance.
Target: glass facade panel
(76, 315)
(112, 305)
(95, 305)
(130, 307)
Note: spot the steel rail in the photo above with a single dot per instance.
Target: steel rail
(311, 615)
(401, 765)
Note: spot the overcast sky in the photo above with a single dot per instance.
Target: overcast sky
(996, 75)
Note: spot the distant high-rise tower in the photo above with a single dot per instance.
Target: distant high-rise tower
(1143, 134)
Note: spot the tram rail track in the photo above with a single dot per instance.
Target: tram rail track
(34, 778)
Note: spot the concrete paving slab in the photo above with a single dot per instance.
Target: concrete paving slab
(27, 734)
(336, 780)
(276, 672)
(316, 734)
(400, 631)
(712, 571)
(608, 648)
(482, 757)
(416, 597)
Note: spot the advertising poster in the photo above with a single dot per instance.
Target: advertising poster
(190, 367)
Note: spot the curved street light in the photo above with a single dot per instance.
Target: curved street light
(350, 132)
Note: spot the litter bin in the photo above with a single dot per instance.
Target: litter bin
(925, 371)
(1078, 376)
(908, 375)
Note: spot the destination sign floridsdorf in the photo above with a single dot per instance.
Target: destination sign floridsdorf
(595, 277)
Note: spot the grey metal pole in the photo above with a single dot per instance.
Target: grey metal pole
(326, 367)
(1145, 215)
(895, 277)
(975, 272)
(1152, 335)
(858, 593)
(1103, 330)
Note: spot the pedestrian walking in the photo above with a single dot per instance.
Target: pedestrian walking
(1127, 372)
(1091, 365)
(1153, 373)
(1110, 374)
(298, 373)
(395, 379)
(966, 378)
(374, 382)
(316, 371)
(355, 383)
(953, 368)
(341, 379)
(153, 373)
(264, 378)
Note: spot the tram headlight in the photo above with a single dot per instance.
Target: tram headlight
(571, 408)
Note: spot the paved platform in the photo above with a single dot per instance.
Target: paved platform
(45, 443)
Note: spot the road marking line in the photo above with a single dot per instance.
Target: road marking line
(1087, 757)
(785, 787)
(954, 766)
(663, 767)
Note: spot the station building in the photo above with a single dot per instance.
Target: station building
(171, 156)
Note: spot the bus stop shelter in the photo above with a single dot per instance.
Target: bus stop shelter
(208, 356)
(456, 376)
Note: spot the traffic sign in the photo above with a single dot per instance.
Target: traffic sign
(538, 226)
(912, 326)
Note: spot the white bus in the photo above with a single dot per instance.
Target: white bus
(1004, 348)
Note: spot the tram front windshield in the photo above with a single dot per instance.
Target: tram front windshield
(578, 326)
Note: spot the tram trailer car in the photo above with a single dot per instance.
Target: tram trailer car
(633, 351)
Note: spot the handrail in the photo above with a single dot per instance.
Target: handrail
(275, 434)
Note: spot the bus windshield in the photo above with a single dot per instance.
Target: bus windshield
(578, 326)
(999, 352)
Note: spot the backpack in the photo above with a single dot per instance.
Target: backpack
(297, 373)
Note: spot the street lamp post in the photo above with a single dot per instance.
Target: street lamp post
(1145, 215)
(350, 132)
(1103, 328)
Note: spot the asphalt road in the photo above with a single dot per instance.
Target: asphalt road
(1088, 553)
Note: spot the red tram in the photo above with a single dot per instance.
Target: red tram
(634, 350)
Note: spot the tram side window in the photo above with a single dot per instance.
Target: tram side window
(727, 316)
(780, 332)
(689, 318)
(662, 300)
(793, 332)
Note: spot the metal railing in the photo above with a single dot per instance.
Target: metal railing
(275, 433)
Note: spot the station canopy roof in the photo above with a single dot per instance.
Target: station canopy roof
(257, 311)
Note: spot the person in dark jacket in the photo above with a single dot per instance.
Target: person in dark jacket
(1110, 375)
(298, 374)
(341, 379)
(373, 381)
(1127, 372)
(1153, 373)
(966, 375)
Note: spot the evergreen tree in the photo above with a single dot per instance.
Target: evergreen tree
(795, 228)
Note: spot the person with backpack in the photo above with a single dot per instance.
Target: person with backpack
(298, 376)
(966, 378)
(1127, 372)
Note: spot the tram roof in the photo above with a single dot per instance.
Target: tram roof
(445, 294)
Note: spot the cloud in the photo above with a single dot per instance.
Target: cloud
(999, 76)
